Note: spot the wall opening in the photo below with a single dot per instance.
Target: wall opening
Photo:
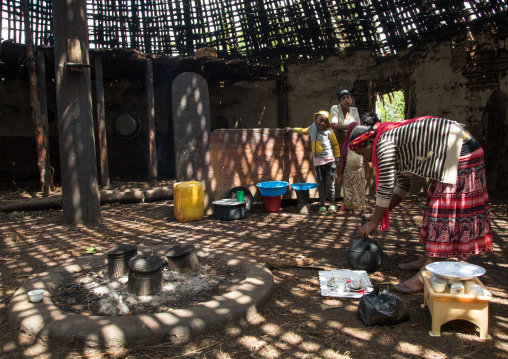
(390, 106)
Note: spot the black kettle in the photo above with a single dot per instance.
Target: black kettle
(365, 254)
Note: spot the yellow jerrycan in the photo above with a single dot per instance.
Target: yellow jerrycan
(189, 204)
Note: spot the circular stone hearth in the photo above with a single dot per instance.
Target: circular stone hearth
(44, 323)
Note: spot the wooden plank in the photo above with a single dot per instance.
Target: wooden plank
(106, 196)
(152, 152)
(101, 122)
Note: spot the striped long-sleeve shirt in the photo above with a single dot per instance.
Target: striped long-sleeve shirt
(426, 148)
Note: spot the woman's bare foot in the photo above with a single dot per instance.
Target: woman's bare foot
(415, 283)
(412, 285)
(415, 265)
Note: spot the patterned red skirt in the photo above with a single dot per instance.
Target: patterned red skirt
(456, 220)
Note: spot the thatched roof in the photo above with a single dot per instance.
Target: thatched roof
(278, 31)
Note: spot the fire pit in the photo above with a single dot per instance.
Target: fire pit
(44, 323)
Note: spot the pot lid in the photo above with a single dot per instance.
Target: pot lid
(365, 246)
(179, 250)
(229, 202)
(122, 249)
(145, 263)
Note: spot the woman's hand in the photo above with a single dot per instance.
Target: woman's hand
(369, 217)
(367, 229)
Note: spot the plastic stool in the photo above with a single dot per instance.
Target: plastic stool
(445, 307)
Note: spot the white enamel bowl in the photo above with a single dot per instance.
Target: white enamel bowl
(35, 295)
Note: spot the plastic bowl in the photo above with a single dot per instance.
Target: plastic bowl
(438, 284)
(303, 186)
(35, 295)
(272, 188)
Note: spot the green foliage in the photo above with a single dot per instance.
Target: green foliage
(393, 107)
(91, 250)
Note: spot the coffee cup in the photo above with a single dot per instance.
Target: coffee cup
(356, 283)
(476, 290)
(457, 288)
(338, 284)
(469, 285)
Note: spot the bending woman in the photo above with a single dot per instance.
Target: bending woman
(456, 219)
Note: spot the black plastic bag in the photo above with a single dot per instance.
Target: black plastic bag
(382, 308)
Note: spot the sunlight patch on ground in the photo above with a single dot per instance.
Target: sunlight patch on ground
(358, 333)
(271, 329)
(252, 342)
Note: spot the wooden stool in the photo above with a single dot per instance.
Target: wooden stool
(445, 307)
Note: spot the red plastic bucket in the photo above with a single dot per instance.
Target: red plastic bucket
(272, 203)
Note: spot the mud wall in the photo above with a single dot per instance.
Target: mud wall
(244, 105)
(451, 79)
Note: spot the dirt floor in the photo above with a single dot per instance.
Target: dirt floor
(297, 322)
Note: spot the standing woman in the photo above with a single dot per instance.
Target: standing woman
(456, 219)
(344, 117)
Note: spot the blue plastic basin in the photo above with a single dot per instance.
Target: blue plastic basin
(272, 188)
(303, 186)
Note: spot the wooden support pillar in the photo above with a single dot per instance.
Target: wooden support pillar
(494, 121)
(152, 152)
(43, 101)
(282, 104)
(80, 192)
(40, 123)
(101, 122)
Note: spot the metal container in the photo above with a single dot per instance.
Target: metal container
(365, 254)
(229, 209)
(183, 259)
(118, 259)
(145, 275)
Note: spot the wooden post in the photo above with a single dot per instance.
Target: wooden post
(282, 104)
(101, 121)
(40, 123)
(152, 152)
(80, 192)
(494, 120)
(41, 77)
